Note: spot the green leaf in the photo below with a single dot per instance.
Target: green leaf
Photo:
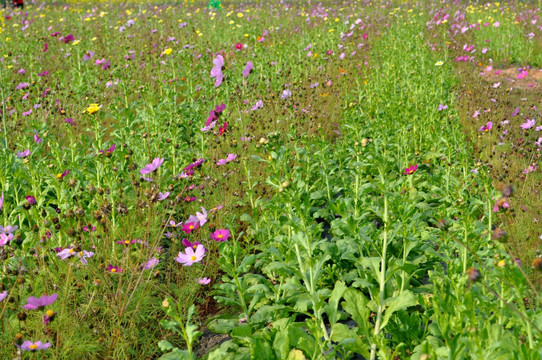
(398, 303)
(333, 302)
(165, 345)
(296, 355)
(349, 339)
(356, 305)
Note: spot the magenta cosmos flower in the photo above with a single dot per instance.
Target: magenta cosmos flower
(230, 158)
(221, 235)
(155, 164)
(486, 127)
(33, 303)
(189, 227)
(410, 170)
(31, 200)
(34, 346)
(193, 245)
(189, 257)
(113, 269)
(3, 295)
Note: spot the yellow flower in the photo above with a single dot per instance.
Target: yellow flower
(439, 63)
(76, 42)
(93, 108)
(168, 51)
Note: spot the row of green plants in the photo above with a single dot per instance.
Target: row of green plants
(382, 243)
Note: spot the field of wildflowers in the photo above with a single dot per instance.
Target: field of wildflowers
(270, 180)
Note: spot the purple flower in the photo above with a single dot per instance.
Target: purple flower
(88, 56)
(208, 127)
(67, 39)
(515, 112)
(31, 200)
(230, 158)
(258, 105)
(529, 123)
(442, 107)
(22, 86)
(190, 257)
(151, 263)
(199, 217)
(486, 127)
(476, 114)
(2, 201)
(286, 94)
(248, 69)
(152, 166)
(530, 169)
(163, 196)
(5, 239)
(108, 151)
(34, 346)
(193, 245)
(69, 121)
(410, 170)
(216, 71)
(221, 235)
(203, 281)
(23, 154)
(37, 138)
(45, 73)
(33, 303)
(26, 113)
(3, 295)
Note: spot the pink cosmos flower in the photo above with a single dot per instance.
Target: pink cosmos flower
(33, 303)
(151, 263)
(113, 269)
(529, 123)
(193, 245)
(216, 71)
(221, 235)
(189, 227)
(152, 166)
(442, 107)
(23, 154)
(203, 281)
(200, 217)
(163, 196)
(486, 127)
(34, 346)
(230, 158)
(189, 257)
(529, 170)
(410, 170)
(502, 203)
(3, 295)
(248, 69)
(258, 105)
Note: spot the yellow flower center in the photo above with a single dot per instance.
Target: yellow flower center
(193, 258)
(72, 251)
(127, 242)
(33, 347)
(113, 270)
(191, 227)
(220, 236)
(50, 313)
(81, 254)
